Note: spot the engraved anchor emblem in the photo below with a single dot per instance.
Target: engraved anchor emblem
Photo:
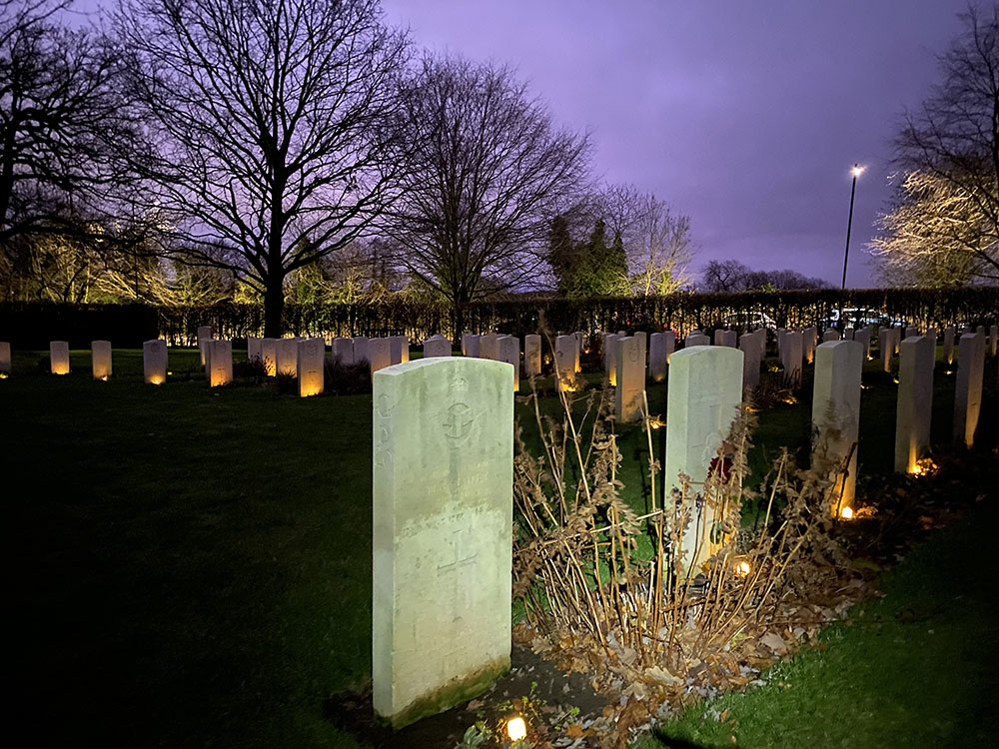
(459, 422)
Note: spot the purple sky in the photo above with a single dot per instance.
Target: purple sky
(745, 114)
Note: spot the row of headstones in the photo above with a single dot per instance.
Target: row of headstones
(442, 546)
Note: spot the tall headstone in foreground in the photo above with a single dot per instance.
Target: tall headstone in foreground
(59, 357)
(836, 415)
(705, 390)
(630, 379)
(915, 401)
(508, 347)
(5, 357)
(311, 367)
(968, 393)
(436, 345)
(219, 355)
(154, 362)
(948, 345)
(749, 346)
(657, 357)
(100, 359)
(442, 543)
(532, 355)
(268, 355)
(286, 356)
(379, 353)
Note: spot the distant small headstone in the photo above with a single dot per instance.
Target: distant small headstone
(629, 399)
(565, 360)
(361, 345)
(749, 346)
(219, 355)
(791, 358)
(968, 390)
(809, 339)
(509, 351)
(532, 355)
(253, 348)
(311, 367)
(470, 344)
(696, 338)
(204, 335)
(436, 345)
(379, 353)
(836, 415)
(400, 349)
(915, 401)
(657, 357)
(268, 355)
(948, 344)
(343, 349)
(286, 354)
(489, 346)
(5, 366)
(830, 335)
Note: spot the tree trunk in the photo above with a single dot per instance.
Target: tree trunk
(273, 306)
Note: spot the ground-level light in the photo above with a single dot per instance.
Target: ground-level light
(846, 513)
(516, 728)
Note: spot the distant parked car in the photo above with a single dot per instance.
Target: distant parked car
(857, 317)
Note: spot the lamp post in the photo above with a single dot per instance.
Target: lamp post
(856, 172)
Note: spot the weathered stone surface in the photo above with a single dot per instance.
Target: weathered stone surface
(830, 335)
(5, 364)
(791, 358)
(59, 357)
(630, 379)
(100, 359)
(968, 391)
(442, 506)
(286, 356)
(911, 332)
(311, 367)
(705, 391)
(863, 337)
(749, 346)
(532, 355)
(252, 348)
(610, 356)
(343, 349)
(993, 340)
(657, 357)
(436, 345)
(219, 356)
(509, 351)
(379, 353)
(836, 415)
(915, 401)
(470, 344)
(268, 355)
(154, 362)
(886, 348)
(809, 339)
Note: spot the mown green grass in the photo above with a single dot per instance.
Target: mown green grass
(192, 567)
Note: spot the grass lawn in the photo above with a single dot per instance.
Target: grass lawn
(192, 567)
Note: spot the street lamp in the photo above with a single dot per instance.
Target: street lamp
(856, 172)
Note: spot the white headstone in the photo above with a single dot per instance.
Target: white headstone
(204, 335)
(792, 358)
(670, 343)
(509, 351)
(470, 344)
(443, 508)
(968, 392)
(154, 362)
(100, 359)
(59, 357)
(911, 332)
(399, 345)
(643, 338)
(948, 344)
(848, 334)
(749, 346)
(809, 338)
(993, 340)
(630, 379)
(219, 356)
(697, 338)
(268, 355)
(436, 345)
(566, 353)
(5, 357)
(830, 335)
(379, 353)
(719, 338)
(705, 390)
(489, 346)
(532, 355)
(343, 349)
(361, 344)
(252, 348)
(311, 367)
(286, 356)
(863, 337)
(610, 356)
(581, 340)
(836, 415)
(915, 402)
(657, 357)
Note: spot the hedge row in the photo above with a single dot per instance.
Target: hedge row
(33, 324)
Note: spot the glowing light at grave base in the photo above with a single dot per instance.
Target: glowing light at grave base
(516, 728)
(924, 467)
(155, 380)
(846, 513)
(656, 423)
(4, 375)
(742, 569)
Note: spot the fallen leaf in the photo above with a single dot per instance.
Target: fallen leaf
(775, 642)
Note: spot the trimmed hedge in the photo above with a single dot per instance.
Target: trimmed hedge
(32, 325)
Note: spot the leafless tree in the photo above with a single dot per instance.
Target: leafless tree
(486, 171)
(265, 115)
(61, 128)
(947, 216)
